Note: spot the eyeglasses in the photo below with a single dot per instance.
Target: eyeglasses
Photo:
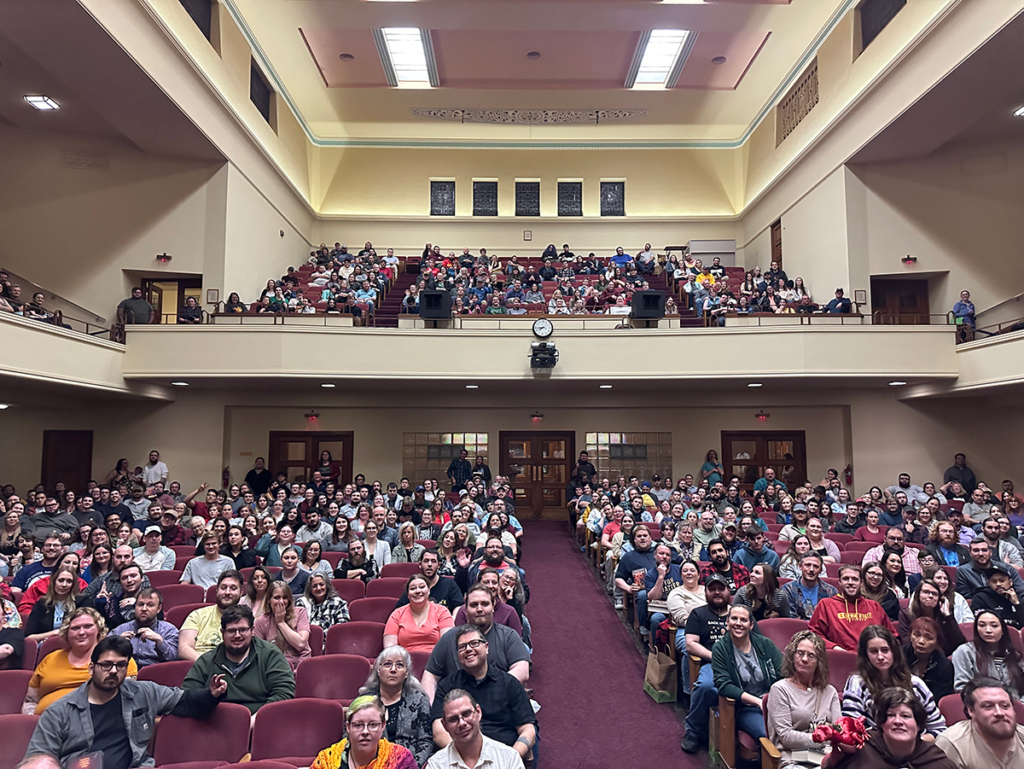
(236, 630)
(392, 665)
(464, 716)
(471, 645)
(369, 726)
(107, 666)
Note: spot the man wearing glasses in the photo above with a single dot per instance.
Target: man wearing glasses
(506, 715)
(257, 671)
(114, 716)
(895, 541)
(469, 747)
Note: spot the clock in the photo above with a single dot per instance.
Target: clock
(542, 328)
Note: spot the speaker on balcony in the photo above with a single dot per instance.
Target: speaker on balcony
(437, 305)
(648, 305)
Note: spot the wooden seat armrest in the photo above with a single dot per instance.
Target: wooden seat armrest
(771, 757)
(727, 746)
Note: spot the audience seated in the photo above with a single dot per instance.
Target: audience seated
(285, 625)
(836, 623)
(201, 631)
(443, 590)
(418, 625)
(705, 626)
(991, 731)
(745, 666)
(365, 745)
(926, 659)
(991, 653)
(406, 703)
(324, 607)
(206, 569)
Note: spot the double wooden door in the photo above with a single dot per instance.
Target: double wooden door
(749, 453)
(538, 464)
(297, 454)
(900, 302)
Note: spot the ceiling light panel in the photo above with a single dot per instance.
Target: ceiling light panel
(408, 57)
(661, 58)
(44, 103)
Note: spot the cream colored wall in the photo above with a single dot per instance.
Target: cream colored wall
(76, 232)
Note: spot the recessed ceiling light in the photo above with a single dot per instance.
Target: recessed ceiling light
(663, 53)
(897, 383)
(1019, 112)
(472, 387)
(533, 55)
(606, 387)
(754, 384)
(327, 384)
(719, 60)
(408, 53)
(44, 103)
(346, 56)
(180, 384)
(4, 406)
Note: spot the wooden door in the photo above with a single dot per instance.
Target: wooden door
(899, 302)
(538, 464)
(155, 296)
(749, 453)
(67, 459)
(776, 233)
(296, 454)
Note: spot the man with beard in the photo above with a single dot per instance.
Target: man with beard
(633, 568)
(460, 717)
(505, 649)
(807, 592)
(1005, 551)
(118, 607)
(506, 714)
(201, 630)
(973, 576)
(660, 581)
(443, 590)
(991, 731)
(735, 575)
(152, 639)
(895, 541)
(258, 672)
(728, 537)
(110, 582)
(704, 627)
(841, 618)
(29, 574)
(493, 558)
(945, 547)
(114, 716)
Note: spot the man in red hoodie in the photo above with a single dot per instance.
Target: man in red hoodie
(841, 618)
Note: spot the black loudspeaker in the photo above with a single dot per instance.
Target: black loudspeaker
(437, 305)
(648, 305)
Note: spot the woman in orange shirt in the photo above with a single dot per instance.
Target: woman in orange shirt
(419, 625)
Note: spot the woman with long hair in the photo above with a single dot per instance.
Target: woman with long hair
(341, 536)
(100, 563)
(876, 585)
(285, 625)
(991, 654)
(712, 469)
(926, 658)
(407, 707)
(323, 605)
(926, 601)
(312, 560)
(407, 550)
(789, 564)
(901, 583)
(117, 476)
(257, 592)
(377, 550)
(9, 533)
(826, 548)
(802, 699)
(447, 554)
(80, 539)
(763, 595)
(952, 602)
(48, 612)
(870, 531)
(880, 665)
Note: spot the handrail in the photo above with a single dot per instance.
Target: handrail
(97, 320)
(997, 305)
(884, 318)
(805, 318)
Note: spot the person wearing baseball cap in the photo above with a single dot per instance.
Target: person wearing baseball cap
(840, 305)
(173, 532)
(153, 556)
(704, 627)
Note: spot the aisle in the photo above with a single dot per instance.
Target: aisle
(588, 675)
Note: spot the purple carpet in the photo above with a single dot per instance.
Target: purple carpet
(588, 675)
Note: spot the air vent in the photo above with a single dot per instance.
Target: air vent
(798, 103)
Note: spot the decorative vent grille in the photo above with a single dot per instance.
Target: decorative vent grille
(570, 198)
(527, 198)
(613, 198)
(442, 198)
(875, 15)
(798, 102)
(485, 198)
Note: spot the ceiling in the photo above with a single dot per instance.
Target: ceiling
(54, 47)
(585, 46)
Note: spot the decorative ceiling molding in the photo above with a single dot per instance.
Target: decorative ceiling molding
(531, 116)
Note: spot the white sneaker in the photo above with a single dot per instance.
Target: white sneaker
(618, 604)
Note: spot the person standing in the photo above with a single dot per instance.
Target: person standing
(460, 471)
(135, 310)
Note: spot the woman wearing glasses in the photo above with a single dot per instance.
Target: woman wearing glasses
(364, 744)
(406, 705)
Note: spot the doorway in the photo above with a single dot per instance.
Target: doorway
(749, 453)
(538, 464)
(296, 454)
(899, 302)
(67, 459)
(168, 296)
(776, 235)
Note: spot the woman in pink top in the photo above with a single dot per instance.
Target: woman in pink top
(285, 625)
(418, 625)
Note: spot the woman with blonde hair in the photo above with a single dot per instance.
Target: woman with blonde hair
(407, 550)
(47, 615)
(285, 625)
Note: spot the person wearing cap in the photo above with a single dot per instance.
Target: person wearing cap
(736, 575)
(153, 556)
(172, 533)
(797, 525)
(839, 305)
(704, 627)
(658, 491)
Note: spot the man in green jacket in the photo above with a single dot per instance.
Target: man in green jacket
(255, 670)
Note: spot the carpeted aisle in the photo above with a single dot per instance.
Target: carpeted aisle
(588, 675)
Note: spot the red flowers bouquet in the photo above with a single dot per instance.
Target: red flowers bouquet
(846, 731)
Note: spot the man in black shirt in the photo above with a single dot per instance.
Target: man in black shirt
(258, 478)
(704, 626)
(507, 715)
(443, 590)
(584, 472)
(460, 471)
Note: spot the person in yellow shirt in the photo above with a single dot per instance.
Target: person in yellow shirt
(200, 632)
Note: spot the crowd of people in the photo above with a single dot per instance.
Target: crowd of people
(12, 301)
(78, 565)
(930, 605)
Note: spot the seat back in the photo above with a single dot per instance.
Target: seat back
(832, 570)
(178, 614)
(858, 545)
(332, 677)
(50, 645)
(13, 686)
(427, 543)
(183, 551)
(405, 570)
(833, 581)
(166, 673)
(841, 665)
(419, 662)
(387, 587)
(28, 657)
(952, 709)
(17, 731)
(221, 736)
(316, 640)
(841, 540)
(158, 579)
(333, 558)
(349, 589)
(297, 729)
(855, 557)
(179, 595)
(363, 638)
(781, 629)
(371, 609)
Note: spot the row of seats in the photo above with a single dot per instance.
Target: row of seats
(177, 594)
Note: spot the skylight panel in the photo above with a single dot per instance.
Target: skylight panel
(408, 56)
(660, 56)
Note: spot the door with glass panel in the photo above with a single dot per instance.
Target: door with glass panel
(749, 453)
(296, 454)
(537, 464)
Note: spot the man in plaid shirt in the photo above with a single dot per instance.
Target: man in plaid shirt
(460, 471)
(735, 574)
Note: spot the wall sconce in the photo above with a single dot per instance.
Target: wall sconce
(762, 416)
(536, 416)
